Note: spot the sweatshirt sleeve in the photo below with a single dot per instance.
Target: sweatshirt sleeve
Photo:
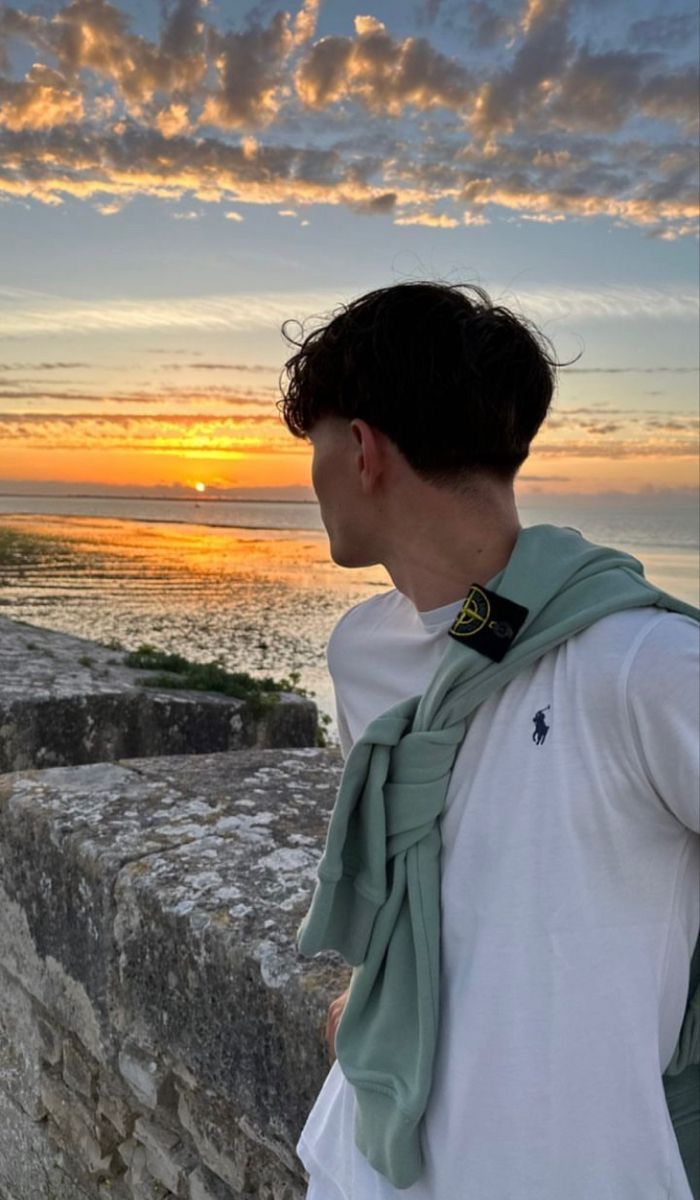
(662, 699)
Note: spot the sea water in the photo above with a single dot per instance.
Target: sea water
(249, 582)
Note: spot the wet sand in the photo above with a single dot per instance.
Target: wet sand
(260, 600)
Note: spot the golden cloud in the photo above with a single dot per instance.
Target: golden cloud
(142, 134)
(41, 101)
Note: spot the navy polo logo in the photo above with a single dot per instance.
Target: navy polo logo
(541, 727)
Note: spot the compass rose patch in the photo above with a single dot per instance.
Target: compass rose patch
(487, 622)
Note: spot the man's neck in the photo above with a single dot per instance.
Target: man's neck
(438, 559)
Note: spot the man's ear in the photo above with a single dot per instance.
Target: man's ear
(370, 453)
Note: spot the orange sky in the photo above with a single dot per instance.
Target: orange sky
(172, 191)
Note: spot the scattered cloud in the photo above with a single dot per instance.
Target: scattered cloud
(109, 209)
(382, 74)
(203, 434)
(209, 366)
(543, 479)
(433, 220)
(667, 31)
(41, 100)
(25, 314)
(531, 117)
(44, 366)
(566, 435)
(631, 370)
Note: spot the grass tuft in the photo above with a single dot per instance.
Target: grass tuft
(176, 671)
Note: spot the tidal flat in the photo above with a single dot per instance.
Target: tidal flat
(256, 599)
(261, 601)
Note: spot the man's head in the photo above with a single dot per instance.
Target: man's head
(416, 393)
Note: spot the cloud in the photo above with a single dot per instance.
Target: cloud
(209, 366)
(630, 370)
(600, 91)
(164, 395)
(250, 68)
(530, 119)
(432, 220)
(515, 94)
(44, 366)
(93, 35)
(173, 120)
(488, 25)
(134, 161)
(670, 30)
(25, 314)
(243, 311)
(427, 11)
(213, 434)
(380, 73)
(610, 449)
(134, 420)
(543, 479)
(602, 303)
(204, 434)
(41, 101)
(109, 209)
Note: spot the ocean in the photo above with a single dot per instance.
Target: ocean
(251, 582)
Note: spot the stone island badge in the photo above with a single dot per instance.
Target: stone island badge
(487, 622)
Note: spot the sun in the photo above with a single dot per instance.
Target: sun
(200, 487)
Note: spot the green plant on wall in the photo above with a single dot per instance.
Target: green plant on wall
(176, 671)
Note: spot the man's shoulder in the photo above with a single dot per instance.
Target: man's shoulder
(635, 648)
(622, 633)
(361, 620)
(368, 611)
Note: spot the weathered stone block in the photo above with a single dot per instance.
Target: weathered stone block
(127, 1149)
(150, 1081)
(56, 710)
(50, 1041)
(32, 1167)
(149, 1133)
(20, 1047)
(171, 1167)
(78, 1072)
(115, 1109)
(203, 1185)
(225, 1152)
(114, 1189)
(75, 1127)
(139, 1179)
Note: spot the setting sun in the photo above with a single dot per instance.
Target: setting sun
(200, 487)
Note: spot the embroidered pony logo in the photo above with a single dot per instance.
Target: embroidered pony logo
(541, 727)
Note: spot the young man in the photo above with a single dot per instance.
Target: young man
(568, 832)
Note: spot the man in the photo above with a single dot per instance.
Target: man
(569, 856)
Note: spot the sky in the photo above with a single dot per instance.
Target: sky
(179, 179)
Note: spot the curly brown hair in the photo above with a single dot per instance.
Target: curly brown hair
(457, 383)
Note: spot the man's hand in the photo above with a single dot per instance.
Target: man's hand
(335, 1012)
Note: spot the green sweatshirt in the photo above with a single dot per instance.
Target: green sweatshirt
(377, 900)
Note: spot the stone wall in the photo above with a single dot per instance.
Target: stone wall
(160, 1036)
